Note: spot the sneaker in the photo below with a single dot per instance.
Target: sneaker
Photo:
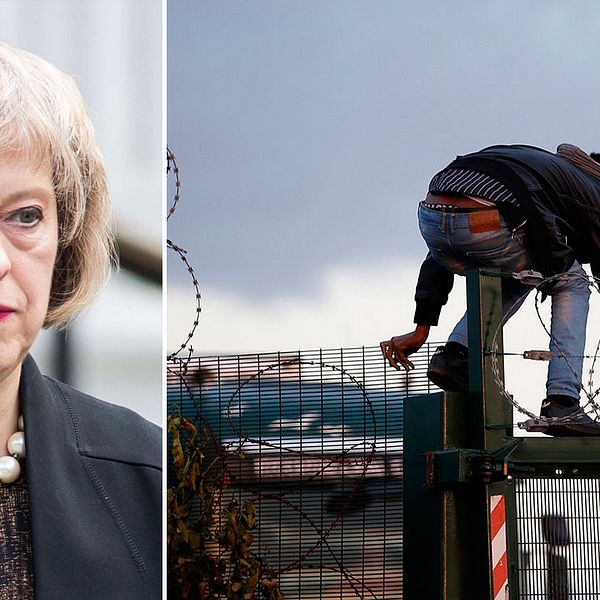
(572, 421)
(449, 368)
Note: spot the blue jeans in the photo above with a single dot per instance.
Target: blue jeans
(452, 245)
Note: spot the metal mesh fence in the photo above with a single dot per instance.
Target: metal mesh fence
(314, 439)
(558, 536)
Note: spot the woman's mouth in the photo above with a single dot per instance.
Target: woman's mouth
(5, 312)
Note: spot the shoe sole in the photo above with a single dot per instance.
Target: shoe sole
(563, 430)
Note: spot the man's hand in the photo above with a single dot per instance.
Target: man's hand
(399, 347)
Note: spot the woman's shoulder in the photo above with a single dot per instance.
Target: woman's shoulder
(108, 431)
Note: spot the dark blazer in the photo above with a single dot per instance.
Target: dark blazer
(94, 479)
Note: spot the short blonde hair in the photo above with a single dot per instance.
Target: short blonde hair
(43, 117)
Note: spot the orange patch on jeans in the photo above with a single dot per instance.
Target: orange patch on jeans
(484, 220)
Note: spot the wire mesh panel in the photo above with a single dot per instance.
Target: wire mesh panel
(558, 531)
(314, 439)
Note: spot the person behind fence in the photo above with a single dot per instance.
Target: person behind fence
(512, 208)
(80, 482)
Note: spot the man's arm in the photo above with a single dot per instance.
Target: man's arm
(433, 287)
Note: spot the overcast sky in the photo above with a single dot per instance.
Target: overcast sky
(307, 132)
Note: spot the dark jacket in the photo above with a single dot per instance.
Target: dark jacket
(559, 203)
(94, 479)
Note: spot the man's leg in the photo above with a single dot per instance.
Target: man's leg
(561, 412)
(570, 305)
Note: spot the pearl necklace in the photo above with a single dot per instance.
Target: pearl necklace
(10, 469)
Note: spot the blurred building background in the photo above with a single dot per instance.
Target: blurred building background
(113, 49)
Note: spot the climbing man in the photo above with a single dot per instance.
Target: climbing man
(512, 208)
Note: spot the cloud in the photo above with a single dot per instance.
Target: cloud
(354, 307)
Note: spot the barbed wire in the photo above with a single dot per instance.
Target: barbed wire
(593, 392)
(591, 395)
(172, 166)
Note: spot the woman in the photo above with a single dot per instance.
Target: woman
(80, 482)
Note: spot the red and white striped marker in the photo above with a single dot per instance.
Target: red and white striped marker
(499, 561)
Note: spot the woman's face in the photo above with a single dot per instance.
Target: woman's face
(28, 244)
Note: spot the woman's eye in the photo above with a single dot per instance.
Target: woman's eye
(27, 217)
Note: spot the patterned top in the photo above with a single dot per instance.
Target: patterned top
(471, 183)
(16, 577)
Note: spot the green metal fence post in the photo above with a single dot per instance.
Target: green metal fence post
(490, 416)
(446, 520)
(438, 524)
